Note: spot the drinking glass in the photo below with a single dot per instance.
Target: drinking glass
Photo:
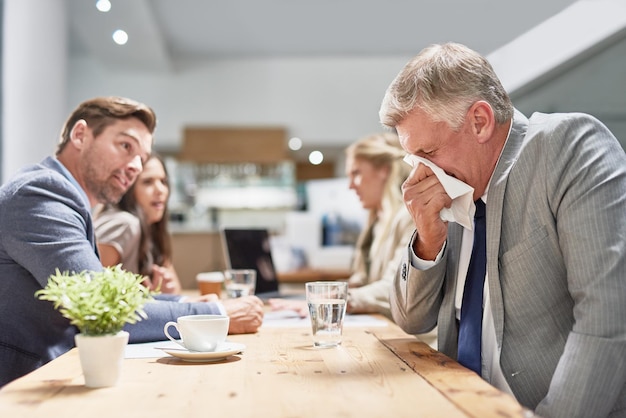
(239, 282)
(327, 307)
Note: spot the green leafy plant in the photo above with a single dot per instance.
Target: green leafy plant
(98, 303)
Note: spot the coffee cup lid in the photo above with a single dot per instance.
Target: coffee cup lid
(210, 276)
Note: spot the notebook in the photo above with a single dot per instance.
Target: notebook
(249, 248)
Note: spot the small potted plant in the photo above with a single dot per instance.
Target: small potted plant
(99, 304)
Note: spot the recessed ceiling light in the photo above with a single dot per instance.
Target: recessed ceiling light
(103, 5)
(316, 157)
(295, 144)
(120, 37)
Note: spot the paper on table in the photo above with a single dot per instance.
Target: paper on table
(462, 195)
(291, 319)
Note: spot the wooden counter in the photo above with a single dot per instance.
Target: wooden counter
(378, 372)
(311, 275)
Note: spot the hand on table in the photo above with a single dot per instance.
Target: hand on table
(246, 314)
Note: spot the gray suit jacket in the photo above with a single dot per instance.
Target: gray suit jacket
(45, 223)
(556, 261)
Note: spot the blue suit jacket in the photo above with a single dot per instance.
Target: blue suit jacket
(45, 224)
(556, 260)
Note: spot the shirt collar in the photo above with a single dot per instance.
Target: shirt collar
(508, 135)
(66, 173)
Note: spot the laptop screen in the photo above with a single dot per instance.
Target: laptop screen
(250, 249)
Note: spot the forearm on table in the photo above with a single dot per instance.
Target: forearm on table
(159, 313)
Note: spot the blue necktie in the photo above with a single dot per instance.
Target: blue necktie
(470, 328)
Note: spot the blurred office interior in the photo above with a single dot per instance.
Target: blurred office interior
(257, 100)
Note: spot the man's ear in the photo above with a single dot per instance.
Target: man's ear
(78, 133)
(482, 120)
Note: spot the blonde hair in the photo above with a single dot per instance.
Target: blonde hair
(444, 80)
(383, 150)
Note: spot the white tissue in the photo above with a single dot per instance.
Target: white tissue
(462, 195)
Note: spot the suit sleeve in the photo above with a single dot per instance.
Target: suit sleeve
(51, 229)
(589, 200)
(159, 313)
(416, 295)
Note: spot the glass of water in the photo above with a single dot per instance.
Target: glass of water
(239, 283)
(327, 307)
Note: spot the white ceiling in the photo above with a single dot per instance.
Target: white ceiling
(166, 35)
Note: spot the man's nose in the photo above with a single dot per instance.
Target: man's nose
(135, 164)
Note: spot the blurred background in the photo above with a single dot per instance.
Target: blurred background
(257, 99)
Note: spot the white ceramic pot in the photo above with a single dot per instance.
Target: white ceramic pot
(101, 358)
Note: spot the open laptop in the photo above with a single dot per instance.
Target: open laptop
(249, 248)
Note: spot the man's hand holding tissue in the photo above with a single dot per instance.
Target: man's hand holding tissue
(425, 197)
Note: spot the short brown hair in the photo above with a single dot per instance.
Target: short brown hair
(101, 112)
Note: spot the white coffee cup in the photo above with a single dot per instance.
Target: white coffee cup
(199, 332)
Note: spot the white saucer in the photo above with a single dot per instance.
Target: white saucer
(223, 351)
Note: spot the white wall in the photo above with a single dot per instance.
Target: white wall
(34, 83)
(333, 101)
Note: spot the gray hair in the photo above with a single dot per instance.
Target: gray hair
(444, 80)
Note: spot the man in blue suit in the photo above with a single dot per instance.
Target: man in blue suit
(552, 329)
(46, 224)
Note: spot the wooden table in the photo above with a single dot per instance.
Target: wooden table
(311, 275)
(377, 372)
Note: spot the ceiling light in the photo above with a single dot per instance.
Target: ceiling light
(120, 37)
(103, 5)
(316, 157)
(295, 144)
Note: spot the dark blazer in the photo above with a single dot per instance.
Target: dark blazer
(45, 224)
(556, 262)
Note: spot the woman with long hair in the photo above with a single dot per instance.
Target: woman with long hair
(376, 171)
(135, 231)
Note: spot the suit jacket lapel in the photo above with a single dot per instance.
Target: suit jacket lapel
(447, 314)
(495, 199)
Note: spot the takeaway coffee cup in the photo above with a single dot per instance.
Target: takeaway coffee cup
(199, 332)
(210, 282)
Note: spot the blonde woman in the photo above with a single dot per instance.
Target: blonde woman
(376, 171)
